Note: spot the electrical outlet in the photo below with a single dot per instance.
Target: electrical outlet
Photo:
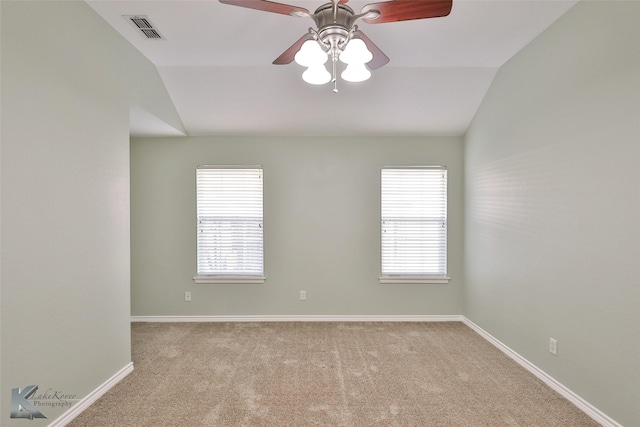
(553, 346)
(303, 295)
(187, 296)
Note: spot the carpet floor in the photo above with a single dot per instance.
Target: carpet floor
(324, 374)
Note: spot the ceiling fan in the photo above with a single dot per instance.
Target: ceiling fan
(337, 36)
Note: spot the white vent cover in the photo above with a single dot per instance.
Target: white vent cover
(144, 26)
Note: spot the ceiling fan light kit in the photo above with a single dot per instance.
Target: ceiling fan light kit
(337, 36)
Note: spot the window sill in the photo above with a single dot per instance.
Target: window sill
(413, 279)
(228, 279)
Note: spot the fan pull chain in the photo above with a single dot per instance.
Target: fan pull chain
(335, 80)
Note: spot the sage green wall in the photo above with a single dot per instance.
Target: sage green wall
(65, 201)
(321, 215)
(552, 197)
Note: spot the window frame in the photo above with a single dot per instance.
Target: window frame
(411, 277)
(230, 278)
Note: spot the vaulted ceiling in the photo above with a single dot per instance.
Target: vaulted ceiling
(215, 61)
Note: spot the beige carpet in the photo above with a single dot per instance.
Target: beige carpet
(324, 374)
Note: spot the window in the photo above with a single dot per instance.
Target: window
(414, 225)
(230, 225)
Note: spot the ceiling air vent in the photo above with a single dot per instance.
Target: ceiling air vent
(144, 26)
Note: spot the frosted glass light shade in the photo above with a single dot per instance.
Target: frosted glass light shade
(356, 52)
(311, 54)
(316, 75)
(356, 73)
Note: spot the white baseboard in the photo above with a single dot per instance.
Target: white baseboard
(302, 318)
(85, 402)
(572, 397)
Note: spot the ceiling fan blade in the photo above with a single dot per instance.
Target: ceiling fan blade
(269, 6)
(405, 10)
(289, 54)
(379, 58)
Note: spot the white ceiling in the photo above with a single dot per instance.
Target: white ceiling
(216, 66)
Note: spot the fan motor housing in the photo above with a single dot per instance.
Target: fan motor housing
(324, 16)
(334, 24)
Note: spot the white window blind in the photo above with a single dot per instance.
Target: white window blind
(230, 223)
(414, 222)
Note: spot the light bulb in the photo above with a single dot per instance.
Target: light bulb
(356, 52)
(311, 54)
(356, 73)
(316, 75)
